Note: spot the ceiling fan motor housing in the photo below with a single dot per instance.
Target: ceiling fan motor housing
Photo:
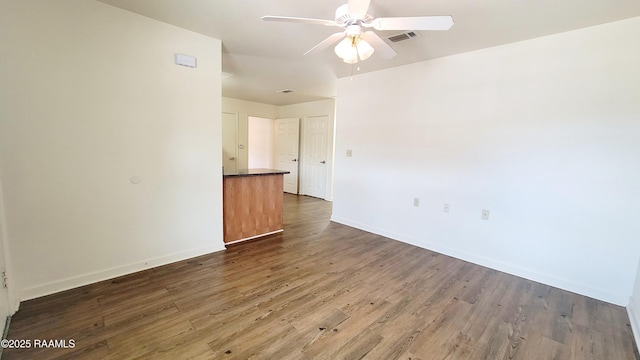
(353, 30)
(344, 19)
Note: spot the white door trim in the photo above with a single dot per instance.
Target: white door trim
(231, 151)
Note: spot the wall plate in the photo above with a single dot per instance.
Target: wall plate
(186, 60)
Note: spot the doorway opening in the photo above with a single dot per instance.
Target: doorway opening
(261, 143)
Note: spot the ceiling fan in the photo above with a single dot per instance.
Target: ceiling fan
(358, 43)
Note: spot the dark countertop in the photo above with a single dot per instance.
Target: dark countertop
(253, 172)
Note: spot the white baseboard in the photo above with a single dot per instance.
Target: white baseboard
(495, 264)
(90, 278)
(254, 237)
(634, 320)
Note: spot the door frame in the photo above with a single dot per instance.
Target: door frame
(235, 147)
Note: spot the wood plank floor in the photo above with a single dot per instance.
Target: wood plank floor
(321, 290)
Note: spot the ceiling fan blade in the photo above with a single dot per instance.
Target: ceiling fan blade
(358, 8)
(414, 23)
(299, 20)
(325, 43)
(380, 45)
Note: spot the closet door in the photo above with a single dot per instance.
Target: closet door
(315, 146)
(287, 150)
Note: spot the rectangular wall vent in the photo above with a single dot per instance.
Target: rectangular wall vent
(185, 60)
(403, 36)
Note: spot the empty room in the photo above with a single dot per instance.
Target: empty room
(409, 180)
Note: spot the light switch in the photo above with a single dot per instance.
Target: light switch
(349, 153)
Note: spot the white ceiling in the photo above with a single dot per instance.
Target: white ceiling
(267, 56)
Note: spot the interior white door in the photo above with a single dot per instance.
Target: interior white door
(230, 141)
(287, 150)
(313, 179)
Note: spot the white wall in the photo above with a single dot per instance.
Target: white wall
(311, 109)
(260, 144)
(634, 307)
(245, 109)
(543, 133)
(90, 98)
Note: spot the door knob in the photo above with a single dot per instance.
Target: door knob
(294, 160)
(232, 158)
(323, 162)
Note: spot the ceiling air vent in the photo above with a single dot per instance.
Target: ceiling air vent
(403, 36)
(285, 91)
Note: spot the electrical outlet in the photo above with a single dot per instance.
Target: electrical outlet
(349, 153)
(416, 202)
(446, 208)
(485, 214)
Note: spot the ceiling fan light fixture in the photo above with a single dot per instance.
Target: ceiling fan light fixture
(351, 59)
(365, 50)
(353, 49)
(347, 51)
